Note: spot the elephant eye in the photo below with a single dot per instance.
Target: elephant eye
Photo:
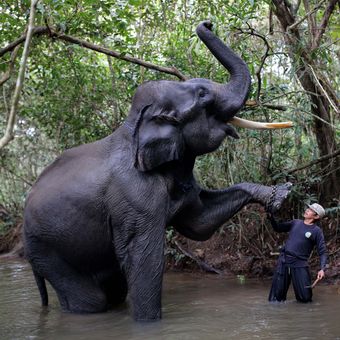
(201, 93)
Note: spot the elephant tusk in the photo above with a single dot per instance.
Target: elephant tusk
(248, 124)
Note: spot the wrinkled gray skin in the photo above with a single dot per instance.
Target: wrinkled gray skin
(95, 220)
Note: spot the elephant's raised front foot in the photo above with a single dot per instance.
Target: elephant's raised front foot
(278, 194)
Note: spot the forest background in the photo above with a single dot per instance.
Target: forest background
(68, 71)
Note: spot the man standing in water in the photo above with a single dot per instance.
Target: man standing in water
(293, 261)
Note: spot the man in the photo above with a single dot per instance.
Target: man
(293, 261)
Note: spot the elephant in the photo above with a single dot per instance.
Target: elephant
(95, 219)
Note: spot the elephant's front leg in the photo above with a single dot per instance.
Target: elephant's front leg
(214, 207)
(143, 266)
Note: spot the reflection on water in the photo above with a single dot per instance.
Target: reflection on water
(194, 307)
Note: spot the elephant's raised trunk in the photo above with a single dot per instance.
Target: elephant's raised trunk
(231, 96)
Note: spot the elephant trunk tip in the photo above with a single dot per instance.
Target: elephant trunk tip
(238, 87)
(204, 25)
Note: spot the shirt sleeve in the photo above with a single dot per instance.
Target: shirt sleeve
(322, 250)
(280, 227)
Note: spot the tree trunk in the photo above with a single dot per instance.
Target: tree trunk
(321, 94)
(325, 137)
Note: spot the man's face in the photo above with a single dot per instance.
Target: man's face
(309, 213)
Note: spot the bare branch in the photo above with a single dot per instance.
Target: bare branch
(297, 23)
(270, 20)
(334, 106)
(21, 178)
(10, 47)
(263, 58)
(316, 117)
(324, 22)
(253, 103)
(201, 263)
(8, 136)
(83, 43)
(316, 161)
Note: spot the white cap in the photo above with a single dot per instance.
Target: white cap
(317, 208)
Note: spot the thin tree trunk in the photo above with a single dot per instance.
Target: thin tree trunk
(8, 136)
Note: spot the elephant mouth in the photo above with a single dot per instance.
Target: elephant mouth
(248, 124)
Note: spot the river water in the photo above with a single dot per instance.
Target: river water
(194, 307)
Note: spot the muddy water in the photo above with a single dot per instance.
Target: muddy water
(194, 307)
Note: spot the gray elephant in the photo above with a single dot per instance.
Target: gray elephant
(95, 220)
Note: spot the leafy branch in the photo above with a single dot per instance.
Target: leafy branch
(54, 34)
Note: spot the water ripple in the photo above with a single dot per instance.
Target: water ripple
(194, 307)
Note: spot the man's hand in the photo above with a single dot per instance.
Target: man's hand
(321, 274)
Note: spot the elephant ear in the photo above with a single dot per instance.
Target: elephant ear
(157, 138)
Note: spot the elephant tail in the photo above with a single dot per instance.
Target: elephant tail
(42, 288)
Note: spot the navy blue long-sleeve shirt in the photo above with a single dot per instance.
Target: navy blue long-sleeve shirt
(301, 241)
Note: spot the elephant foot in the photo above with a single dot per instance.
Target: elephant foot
(147, 318)
(277, 196)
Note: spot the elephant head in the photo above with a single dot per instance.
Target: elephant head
(172, 119)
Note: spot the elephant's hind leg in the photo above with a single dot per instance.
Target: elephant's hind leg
(115, 288)
(77, 292)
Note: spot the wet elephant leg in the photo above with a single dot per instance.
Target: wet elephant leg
(144, 271)
(76, 292)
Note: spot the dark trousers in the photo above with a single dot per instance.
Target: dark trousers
(300, 277)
